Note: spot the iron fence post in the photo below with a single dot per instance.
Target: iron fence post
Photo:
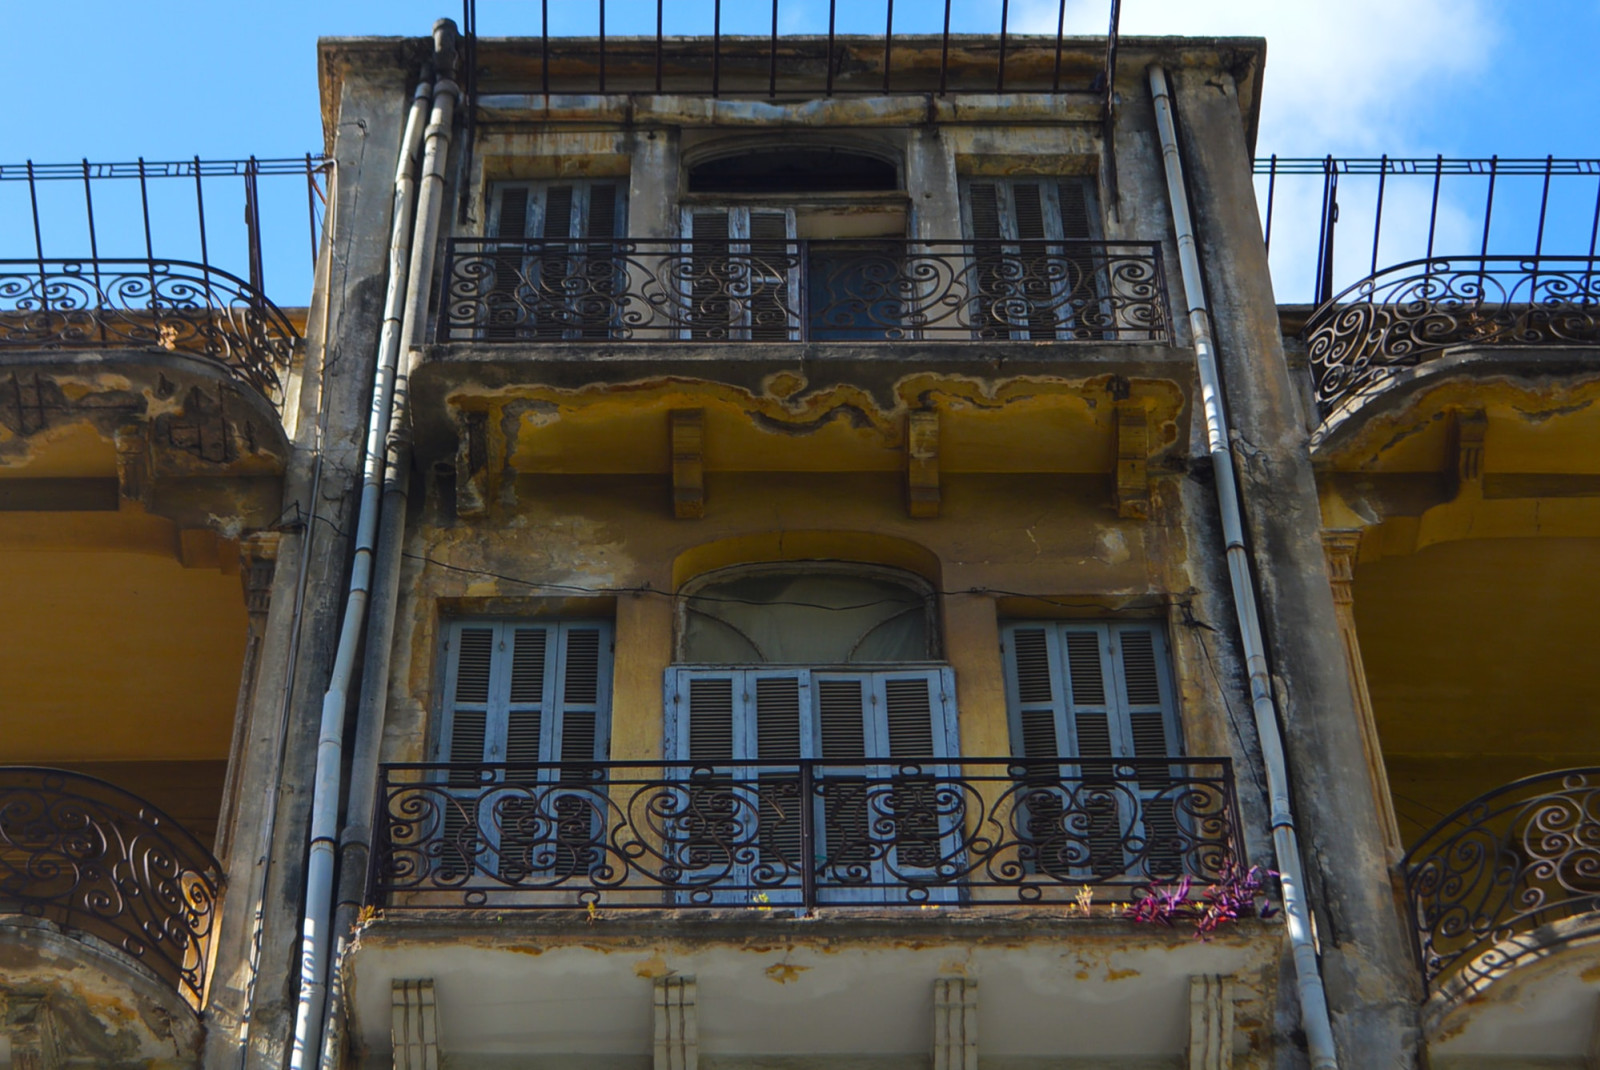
(808, 838)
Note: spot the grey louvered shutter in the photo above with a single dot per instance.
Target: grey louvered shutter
(915, 731)
(1108, 691)
(706, 838)
(470, 679)
(844, 736)
(526, 701)
(1144, 694)
(780, 703)
(1037, 706)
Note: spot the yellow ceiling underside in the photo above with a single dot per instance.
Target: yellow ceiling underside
(1480, 657)
(116, 656)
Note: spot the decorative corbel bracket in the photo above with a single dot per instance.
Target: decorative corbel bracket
(1133, 460)
(258, 563)
(923, 495)
(1472, 427)
(134, 465)
(687, 431)
(472, 464)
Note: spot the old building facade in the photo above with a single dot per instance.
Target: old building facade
(800, 553)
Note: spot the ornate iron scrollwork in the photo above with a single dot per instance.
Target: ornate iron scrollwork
(1410, 312)
(1508, 863)
(528, 290)
(146, 304)
(958, 832)
(90, 857)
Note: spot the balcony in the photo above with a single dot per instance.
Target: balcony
(1500, 882)
(878, 290)
(765, 835)
(1364, 339)
(171, 305)
(100, 862)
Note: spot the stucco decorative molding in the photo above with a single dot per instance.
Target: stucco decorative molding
(922, 464)
(687, 429)
(414, 1025)
(677, 1045)
(1210, 1022)
(955, 1024)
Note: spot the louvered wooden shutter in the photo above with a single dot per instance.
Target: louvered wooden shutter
(773, 294)
(710, 313)
(779, 727)
(983, 211)
(914, 734)
(1141, 663)
(1077, 221)
(469, 686)
(843, 736)
(1039, 733)
(1103, 693)
(507, 702)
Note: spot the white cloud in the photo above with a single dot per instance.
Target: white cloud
(1338, 76)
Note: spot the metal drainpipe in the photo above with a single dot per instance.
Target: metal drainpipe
(1286, 845)
(330, 741)
(355, 841)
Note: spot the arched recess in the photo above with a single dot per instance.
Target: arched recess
(806, 613)
(768, 166)
(863, 547)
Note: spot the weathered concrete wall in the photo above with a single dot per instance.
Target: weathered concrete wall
(1366, 963)
(257, 968)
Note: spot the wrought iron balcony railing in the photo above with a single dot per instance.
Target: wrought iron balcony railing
(966, 832)
(157, 304)
(1483, 880)
(1411, 312)
(92, 858)
(637, 290)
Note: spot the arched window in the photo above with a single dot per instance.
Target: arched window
(825, 666)
(817, 615)
(799, 170)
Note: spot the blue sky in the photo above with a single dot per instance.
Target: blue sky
(171, 79)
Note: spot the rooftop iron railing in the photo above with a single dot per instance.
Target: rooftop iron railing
(1412, 312)
(637, 289)
(95, 859)
(1486, 884)
(801, 834)
(174, 305)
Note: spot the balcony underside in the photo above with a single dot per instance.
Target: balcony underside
(825, 991)
(174, 432)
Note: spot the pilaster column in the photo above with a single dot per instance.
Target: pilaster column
(1340, 547)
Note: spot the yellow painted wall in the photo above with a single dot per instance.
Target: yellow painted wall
(1480, 657)
(1057, 536)
(110, 655)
